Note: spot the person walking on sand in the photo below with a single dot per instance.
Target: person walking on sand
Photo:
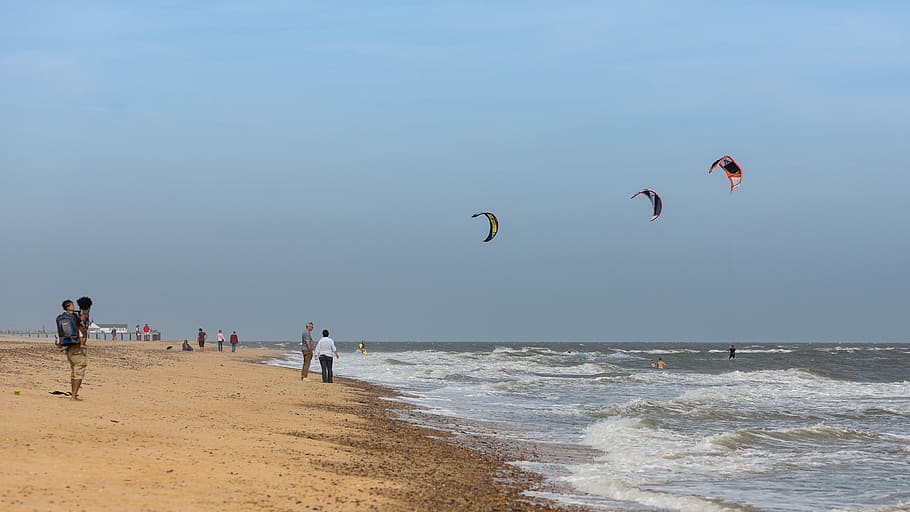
(200, 338)
(325, 348)
(234, 341)
(732, 352)
(138, 333)
(69, 327)
(306, 346)
(220, 338)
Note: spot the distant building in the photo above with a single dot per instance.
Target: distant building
(123, 331)
(94, 328)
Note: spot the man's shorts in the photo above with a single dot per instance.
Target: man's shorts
(77, 359)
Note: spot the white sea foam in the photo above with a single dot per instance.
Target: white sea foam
(590, 479)
(655, 351)
(664, 437)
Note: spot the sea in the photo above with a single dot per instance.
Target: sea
(781, 427)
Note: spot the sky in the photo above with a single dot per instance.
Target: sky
(252, 166)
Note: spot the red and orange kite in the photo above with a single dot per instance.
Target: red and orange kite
(733, 170)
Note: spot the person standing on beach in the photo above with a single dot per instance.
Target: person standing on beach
(146, 329)
(113, 334)
(732, 352)
(138, 333)
(220, 338)
(74, 343)
(200, 338)
(306, 346)
(234, 341)
(325, 348)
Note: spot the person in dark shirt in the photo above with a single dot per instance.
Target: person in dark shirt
(200, 338)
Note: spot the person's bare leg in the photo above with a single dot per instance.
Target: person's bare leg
(75, 384)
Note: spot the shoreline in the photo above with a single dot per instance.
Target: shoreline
(167, 430)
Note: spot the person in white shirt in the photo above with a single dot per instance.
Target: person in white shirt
(325, 347)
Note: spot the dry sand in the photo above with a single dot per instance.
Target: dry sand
(163, 430)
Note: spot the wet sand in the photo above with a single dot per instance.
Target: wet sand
(169, 430)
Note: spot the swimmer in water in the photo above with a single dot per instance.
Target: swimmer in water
(660, 363)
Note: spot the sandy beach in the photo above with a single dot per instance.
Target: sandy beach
(162, 429)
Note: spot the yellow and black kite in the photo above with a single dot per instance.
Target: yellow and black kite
(494, 224)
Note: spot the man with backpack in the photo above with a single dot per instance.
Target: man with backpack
(69, 336)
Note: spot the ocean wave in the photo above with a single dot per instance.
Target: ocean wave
(461, 377)
(590, 479)
(524, 351)
(885, 410)
(820, 434)
(754, 350)
(397, 362)
(711, 405)
(285, 363)
(903, 506)
(851, 350)
(658, 351)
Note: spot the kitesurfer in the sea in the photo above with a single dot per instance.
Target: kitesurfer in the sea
(732, 352)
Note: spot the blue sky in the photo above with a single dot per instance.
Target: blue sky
(254, 165)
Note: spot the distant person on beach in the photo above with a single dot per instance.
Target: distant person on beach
(69, 334)
(325, 348)
(146, 329)
(138, 333)
(200, 338)
(234, 341)
(732, 352)
(660, 363)
(306, 346)
(186, 346)
(220, 338)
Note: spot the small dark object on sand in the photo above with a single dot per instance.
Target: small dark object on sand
(169, 347)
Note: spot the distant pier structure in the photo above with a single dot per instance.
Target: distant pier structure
(97, 331)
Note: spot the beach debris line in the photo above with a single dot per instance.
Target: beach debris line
(656, 202)
(494, 224)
